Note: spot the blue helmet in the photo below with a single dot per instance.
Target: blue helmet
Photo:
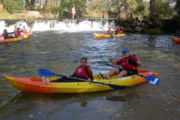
(125, 50)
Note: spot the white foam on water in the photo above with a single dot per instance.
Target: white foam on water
(10, 28)
(66, 25)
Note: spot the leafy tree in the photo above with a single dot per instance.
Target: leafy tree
(66, 5)
(137, 7)
(177, 7)
(30, 4)
(12, 5)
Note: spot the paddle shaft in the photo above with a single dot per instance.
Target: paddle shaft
(70, 77)
(82, 79)
(48, 73)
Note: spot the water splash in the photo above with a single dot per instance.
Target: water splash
(66, 25)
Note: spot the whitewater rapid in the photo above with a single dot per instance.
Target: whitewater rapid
(67, 25)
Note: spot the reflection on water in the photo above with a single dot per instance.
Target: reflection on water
(60, 52)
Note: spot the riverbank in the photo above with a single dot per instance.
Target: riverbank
(27, 15)
(132, 25)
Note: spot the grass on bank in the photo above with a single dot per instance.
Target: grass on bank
(4, 15)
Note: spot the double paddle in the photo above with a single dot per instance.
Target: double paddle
(150, 79)
(48, 73)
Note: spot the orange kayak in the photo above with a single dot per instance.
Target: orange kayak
(25, 36)
(175, 39)
(39, 85)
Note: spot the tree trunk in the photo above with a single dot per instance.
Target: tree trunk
(152, 9)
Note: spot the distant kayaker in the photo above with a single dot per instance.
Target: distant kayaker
(24, 30)
(129, 63)
(109, 32)
(118, 30)
(83, 71)
(15, 31)
(19, 32)
(5, 34)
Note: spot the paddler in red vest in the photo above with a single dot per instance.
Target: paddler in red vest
(19, 32)
(83, 71)
(118, 30)
(15, 31)
(24, 30)
(130, 65)
(5, 34)
(109, 32)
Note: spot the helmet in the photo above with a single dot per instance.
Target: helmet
(125, 50)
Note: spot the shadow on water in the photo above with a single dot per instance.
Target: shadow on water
(40, 106)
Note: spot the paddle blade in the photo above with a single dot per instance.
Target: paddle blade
(45, 72)
(66, 10)
(20, 25)
(112, 37)
(152, 80)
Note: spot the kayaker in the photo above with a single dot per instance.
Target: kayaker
(130, 65)
(15, 31)
(109, 32)
(5, 34)
(83, 71)
(19, 32)
(24, 30)
(118, 30)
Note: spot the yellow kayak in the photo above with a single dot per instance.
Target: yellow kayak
(97, 35)
(36, 85)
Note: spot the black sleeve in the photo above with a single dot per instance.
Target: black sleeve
(73, 75)
(91, 77)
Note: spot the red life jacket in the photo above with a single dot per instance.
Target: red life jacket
(128, 64)
(5, 35)
(118, 30)
(24, 31)
(19, 34)
(109, 32)
(81, 71)
(15, 33)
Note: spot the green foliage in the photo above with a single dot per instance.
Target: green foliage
(112, 8)
(55, 10)
(68, 4)
(177, 7)
(137, 7)
(12, 5)
(155, 31)
(163, 9)
(31, 18)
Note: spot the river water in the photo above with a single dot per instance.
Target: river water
(60, 52)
